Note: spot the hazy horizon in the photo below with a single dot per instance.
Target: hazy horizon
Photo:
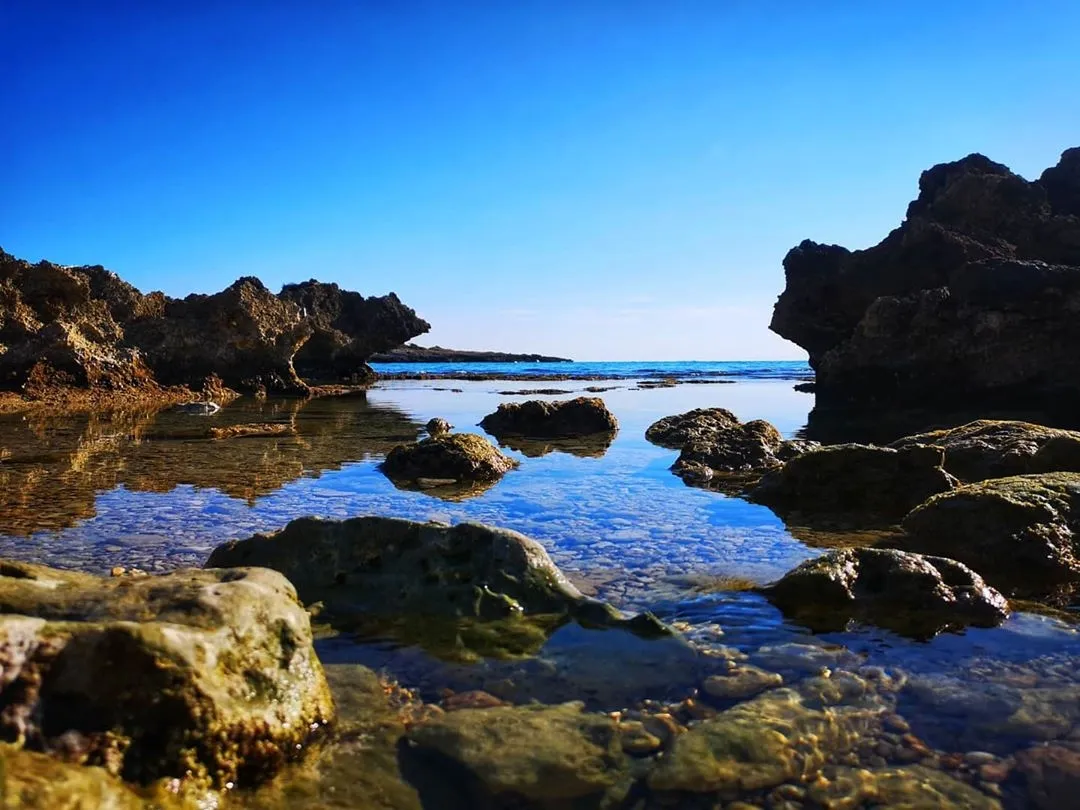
(592, 181)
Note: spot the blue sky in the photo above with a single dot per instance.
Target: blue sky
(601, 180)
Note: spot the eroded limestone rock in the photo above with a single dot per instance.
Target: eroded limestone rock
(549, 420)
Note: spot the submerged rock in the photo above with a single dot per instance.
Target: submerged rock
(913, 787)
(1052, 774)
(541, 419)
(374, 565)
(973, 297)
(449, 458)
(204, 674)
(989, 448)
(347, 329)
(878, 483)
(535, 753)
(909, 593)
(1019, 532)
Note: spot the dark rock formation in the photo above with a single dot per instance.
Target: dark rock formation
(411, 353)
(84, 328)
(973, 295)
(909, 593)
(988, 448)
(537, 419)
(453, 458)
(209, 674)
(1018, 532)
(348, 329)
(244, 334)
(700, 424)
(876, 483)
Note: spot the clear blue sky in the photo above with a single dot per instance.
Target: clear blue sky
(601, 179)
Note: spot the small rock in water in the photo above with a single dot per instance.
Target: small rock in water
(198, 408)
(438, 426)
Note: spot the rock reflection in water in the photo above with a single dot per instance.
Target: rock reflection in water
(591, 446)
(53, 467)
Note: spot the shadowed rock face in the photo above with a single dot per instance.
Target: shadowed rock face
(909, 593)
(348, 329)
(974, 294)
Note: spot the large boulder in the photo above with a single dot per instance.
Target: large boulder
(347, 329)
(392, 567)
(446, 460)
(541, 419)
(879, 484)
(699, 425)
(973, 295)
(989, 448)
(751, 448)
(909, 593)
(204, 674)
(244, 334)
(1018, 532)
(537, 753)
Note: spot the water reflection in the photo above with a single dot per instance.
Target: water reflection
(591, 446)
(52, 468)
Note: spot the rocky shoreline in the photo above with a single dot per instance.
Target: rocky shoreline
(411, 353)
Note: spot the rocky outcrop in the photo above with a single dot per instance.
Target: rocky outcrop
(699, 425)
(989, 448)
(539, 419)
(873, 483)
(1018, 532)
(387, 566)
(908, 593)
(974, 295)
(347, 329)
(244, 334)
(446, 460)
(204, 674)
(84, 328)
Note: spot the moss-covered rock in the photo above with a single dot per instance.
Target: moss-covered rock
(698, 425)
(539, 753)
(759, 744)
(452, 458)
(209, 674)
(909, 593)
(386, 566)
(990, 448)
(541, 419)
(1019, 532)
(875, 483)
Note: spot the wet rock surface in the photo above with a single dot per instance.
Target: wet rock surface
(446, 460)
(988, 448)
(347, 329)
(909, 593)
(542, 419)
(700, 424)
(194, 674)
(1019, 532)
(862, 481)
(986, 265)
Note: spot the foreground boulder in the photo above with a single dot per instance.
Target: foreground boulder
(207, 674)
(446, 460)
(540, 419)
(909, 593)
(386, 566)
(972, 298)
(536, 753)
(1019, 532)
(877, 483)
(989, 448)
(347, 329)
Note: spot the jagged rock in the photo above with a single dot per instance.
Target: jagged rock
(244, 334)
(348, 329)
(854, 479)
(388, 566)
(548, 420)
(1018, 532)
(536, 753)
(989, 448)
(447, 459)
(699, 425)
(909, 593)
(973, 295)
(209, 674)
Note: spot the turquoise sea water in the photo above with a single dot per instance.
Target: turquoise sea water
(625, 370)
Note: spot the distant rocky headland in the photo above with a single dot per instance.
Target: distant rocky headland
(411, 353)
(85, 332)
(974, 297)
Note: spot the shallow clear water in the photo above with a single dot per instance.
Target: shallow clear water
(148, 491)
